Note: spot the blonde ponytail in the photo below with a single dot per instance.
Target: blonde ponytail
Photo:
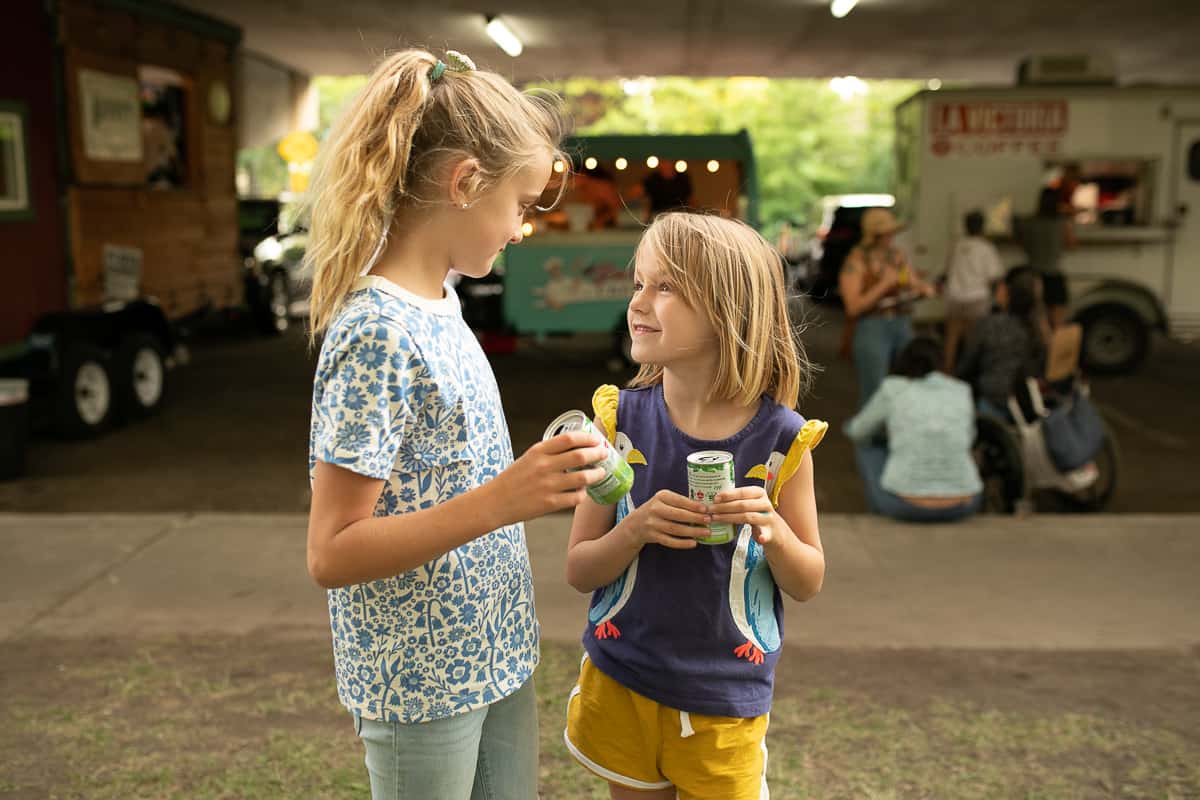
(387, 151)
(359, 176)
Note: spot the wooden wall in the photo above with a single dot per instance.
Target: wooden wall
(188, 235)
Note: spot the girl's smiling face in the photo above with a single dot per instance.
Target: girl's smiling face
(664, 328)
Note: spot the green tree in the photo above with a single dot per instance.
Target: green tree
(333, 93)
(808, 141)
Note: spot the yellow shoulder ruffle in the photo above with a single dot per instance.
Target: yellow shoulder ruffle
(808, 438)
(604, 404)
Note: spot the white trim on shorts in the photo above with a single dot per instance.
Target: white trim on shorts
(604, 772)
(633, 783)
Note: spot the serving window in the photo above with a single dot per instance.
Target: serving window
(1114, 192)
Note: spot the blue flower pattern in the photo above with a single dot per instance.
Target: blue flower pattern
(406, 395)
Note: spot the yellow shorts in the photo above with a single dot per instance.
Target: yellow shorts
(635, 742)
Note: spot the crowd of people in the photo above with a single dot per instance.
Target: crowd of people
(918, 398)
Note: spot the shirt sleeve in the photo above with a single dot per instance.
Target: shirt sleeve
(604, 407)
(361, 401)
(808, 438)
(873, 417)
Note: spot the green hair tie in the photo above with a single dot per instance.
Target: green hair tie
(438, 69)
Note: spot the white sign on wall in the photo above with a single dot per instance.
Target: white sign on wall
(122, 272)
(111, 116)
(989, 129)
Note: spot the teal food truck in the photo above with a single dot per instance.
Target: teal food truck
(571, 273)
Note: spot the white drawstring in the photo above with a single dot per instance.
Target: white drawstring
(685, 725)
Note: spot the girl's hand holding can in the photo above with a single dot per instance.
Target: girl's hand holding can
(669, 519)
(553, 475)
(748, 505)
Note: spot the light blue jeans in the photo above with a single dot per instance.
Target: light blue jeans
(871, 459)
(487, 754)
(877, 340)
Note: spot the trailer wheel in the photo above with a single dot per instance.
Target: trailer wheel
(140, 368)
(85, 392)
(1115, 340)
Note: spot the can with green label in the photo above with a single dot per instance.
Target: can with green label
(618, 475)
(710, 472)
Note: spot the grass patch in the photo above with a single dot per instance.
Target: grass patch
(223, 718)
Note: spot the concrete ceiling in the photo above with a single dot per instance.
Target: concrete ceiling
(956, 40)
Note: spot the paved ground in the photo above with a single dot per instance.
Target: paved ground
(235, 436)
(1097, 583)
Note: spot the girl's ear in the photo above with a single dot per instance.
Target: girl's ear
(465, 182)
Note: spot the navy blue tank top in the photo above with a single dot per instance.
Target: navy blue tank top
(697, 630)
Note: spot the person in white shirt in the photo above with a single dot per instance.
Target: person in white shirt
(974, 265)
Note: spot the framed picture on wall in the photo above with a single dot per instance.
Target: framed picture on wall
(111, 116)
(15, 203)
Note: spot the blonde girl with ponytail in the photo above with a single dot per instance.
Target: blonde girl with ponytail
(416, 524)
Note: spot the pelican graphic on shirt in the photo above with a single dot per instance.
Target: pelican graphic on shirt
(612, 598)
(751, 584)
(752, 599)
(768, 473)
(628, 452)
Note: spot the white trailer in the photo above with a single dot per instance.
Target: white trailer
(1136, 267)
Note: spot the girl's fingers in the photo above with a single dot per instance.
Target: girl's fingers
(685, 517)
(674, 542)
(748, 518)
(743, 493)
(742, 506)
(672, 500)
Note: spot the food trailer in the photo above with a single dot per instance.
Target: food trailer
(571, 273)
(118, 212)
(1137, 264)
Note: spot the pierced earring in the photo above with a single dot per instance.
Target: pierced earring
(466, 206)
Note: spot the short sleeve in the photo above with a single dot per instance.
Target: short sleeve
(361, 397)
(807, 439)
(604, 405)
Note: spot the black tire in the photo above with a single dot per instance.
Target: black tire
(84, 404)
(140, 375)
(1115, 340)
(997, 454)
(1097, 496)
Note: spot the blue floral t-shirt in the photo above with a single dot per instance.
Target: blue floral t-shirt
(403, 392)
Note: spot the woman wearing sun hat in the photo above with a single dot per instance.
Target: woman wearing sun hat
(878, 286)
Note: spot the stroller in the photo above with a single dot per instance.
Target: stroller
(1018, 457)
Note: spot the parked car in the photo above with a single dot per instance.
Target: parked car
(273, 255)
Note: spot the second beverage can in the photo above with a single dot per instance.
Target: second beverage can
(709, 473)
